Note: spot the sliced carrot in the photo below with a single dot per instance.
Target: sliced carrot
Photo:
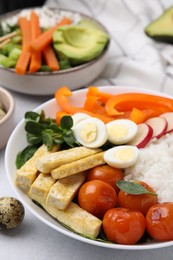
(62, 98)
(46, 38)
(50, 58)
(36, 58)
(127, 101)
(24, 59)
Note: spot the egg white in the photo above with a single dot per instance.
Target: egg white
(79, 117)
(121, 131)
(91, 132)
(122, 156)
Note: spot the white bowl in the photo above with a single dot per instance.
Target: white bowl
(7, 122)
(17, 142)
(46, 83)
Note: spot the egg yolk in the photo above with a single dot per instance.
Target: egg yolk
(125, 154)
(118, 131)
(89, 133)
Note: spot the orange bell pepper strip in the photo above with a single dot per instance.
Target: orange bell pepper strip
(127, 101)
(62, 98)
(93, 104)
(94, 91)
(139, 116)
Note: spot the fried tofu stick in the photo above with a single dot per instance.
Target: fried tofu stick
(64, 190)
(26, 175)
(76, 218)
(41, 187)
(78, 166)
(49, 162)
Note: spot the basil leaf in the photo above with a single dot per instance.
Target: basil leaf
(133, 188)
(66, 122)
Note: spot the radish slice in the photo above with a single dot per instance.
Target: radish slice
(143, 136)
(169, 118)
(159, 126)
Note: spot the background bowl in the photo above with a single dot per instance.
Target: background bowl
(17, 142)
(7, 122)
(46, 83)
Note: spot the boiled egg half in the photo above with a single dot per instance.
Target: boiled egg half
(91, 132)
(79, 117)
(121, 131)
(122, 156)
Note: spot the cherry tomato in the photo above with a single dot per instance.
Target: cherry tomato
(160, 221)
(97, 197)
(137, 202)
(106, 173)
(124, 226)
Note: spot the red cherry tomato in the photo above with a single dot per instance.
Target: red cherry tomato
(160, 221)
(97, 197)
(105, 173)
(124, 226)
(137, 202)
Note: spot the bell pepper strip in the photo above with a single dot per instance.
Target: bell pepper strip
(24, 58)
(139, 116)
(94, 91)
(36, 58)
(62, 98)
(127, 101)
(93, 104)
(46, 37)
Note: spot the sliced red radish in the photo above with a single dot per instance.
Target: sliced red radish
(159, 126)
(143, 136)
(169, 118)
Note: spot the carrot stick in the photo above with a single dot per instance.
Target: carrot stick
(36, 57)
(46, 38)
(24, 59)
(50, 58)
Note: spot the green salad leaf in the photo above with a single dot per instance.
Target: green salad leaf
(42, 130)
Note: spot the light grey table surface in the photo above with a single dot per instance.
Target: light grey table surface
(33, 240)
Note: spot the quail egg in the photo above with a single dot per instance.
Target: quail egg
(91, 132)
(11, 212)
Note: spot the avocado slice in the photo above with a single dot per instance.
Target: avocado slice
(161, 29)
(79, 43)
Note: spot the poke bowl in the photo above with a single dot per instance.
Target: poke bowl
(57, 219)
(86, 43)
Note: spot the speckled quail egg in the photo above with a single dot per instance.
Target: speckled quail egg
(11, 212)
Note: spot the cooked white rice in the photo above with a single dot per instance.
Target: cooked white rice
(155, 167)
(48, 17)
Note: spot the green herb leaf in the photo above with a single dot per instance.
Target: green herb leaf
(33, 139)
(25, 155)
(33, 127)
(32, 116)
(66, 122)
(47, 138)
(133, 188)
